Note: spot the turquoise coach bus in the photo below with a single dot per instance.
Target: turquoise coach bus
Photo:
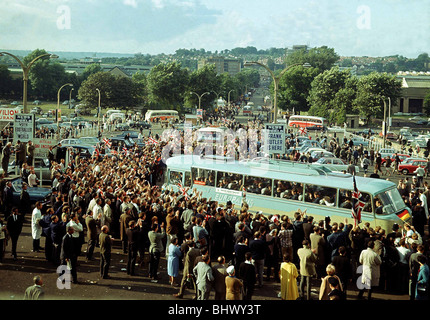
(283, 187)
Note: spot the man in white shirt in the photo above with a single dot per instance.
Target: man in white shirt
(32, 178)
(36, 228)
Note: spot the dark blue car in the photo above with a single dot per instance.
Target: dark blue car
(41, 194)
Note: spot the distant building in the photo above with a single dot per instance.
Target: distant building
(414, 89)
(296, 48)
(222, 65)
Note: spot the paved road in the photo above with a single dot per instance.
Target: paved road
(16, 276)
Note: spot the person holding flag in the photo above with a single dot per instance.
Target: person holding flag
(357, 203)
(303, 131)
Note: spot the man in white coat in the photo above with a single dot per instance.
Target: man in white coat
(371, 263)
(36, 228)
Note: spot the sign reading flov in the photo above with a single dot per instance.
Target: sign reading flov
(7, 114)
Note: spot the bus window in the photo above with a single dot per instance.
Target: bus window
(320, 195)
(175, 177)
(258, 185)
(345, 200)
(203, 177)
(391, 201)
(288, 190)
(187, 182)
(229, 180)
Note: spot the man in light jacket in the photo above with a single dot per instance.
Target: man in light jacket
(371, 263)
(203, 273)
(155, 249)
(308, 258)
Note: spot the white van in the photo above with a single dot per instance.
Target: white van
(109, 112)
(117, 116)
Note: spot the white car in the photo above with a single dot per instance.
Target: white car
(92, 141)
(334, 164)
(335, 129)
(316, 155)
(68, 142)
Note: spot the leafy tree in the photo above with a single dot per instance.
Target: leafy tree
(426, 105)
(228, 83)
(293, 89)
(89, 70)
(248, 78)
(141, 82)
(324, 89)
(45, 76)
(321, 58)
(116, 92)
(5, 81)
(167, 84)
(372, 90)
(200, 81)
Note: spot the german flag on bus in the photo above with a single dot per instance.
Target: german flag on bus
(404, 215)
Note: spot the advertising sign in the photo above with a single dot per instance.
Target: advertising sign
(23, 129)
(8, 114)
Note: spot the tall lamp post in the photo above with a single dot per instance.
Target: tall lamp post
(276, 81)
(200, 97)
(229, 96)
(98, 108)
(70, 97)
(25, 70)
(58, 98)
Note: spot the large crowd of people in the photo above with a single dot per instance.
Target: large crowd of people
(213, 246)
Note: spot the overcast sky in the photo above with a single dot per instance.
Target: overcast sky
(351, 27)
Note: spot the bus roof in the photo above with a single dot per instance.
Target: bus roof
(308, 117)
(281, 170)
(212, 129)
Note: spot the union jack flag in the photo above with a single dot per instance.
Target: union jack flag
(357, 203)
(125, 150)
(96, 152)
(303, 131)
(107, 142)
(151, 141)
(183, 190)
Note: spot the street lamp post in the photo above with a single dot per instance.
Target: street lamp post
(98, 108)
(70, 97)
(276, 82)
(58, 98)
(200, 97)
(25, 71)
(229, 96)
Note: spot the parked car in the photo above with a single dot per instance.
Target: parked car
(142, 124)
(387, 152)
(316, 155)
(42, 121)
(334, 164)
(92, 141)
(41, 194)
(37, 102)
(122, 127)
(121, 141)
(366, 132)
(402, 157)
(335, 129)
(410, 167)
(14, 103)
(131, 134)
(85, 151)
(69, 142)
(316, 128)
(358, 141)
